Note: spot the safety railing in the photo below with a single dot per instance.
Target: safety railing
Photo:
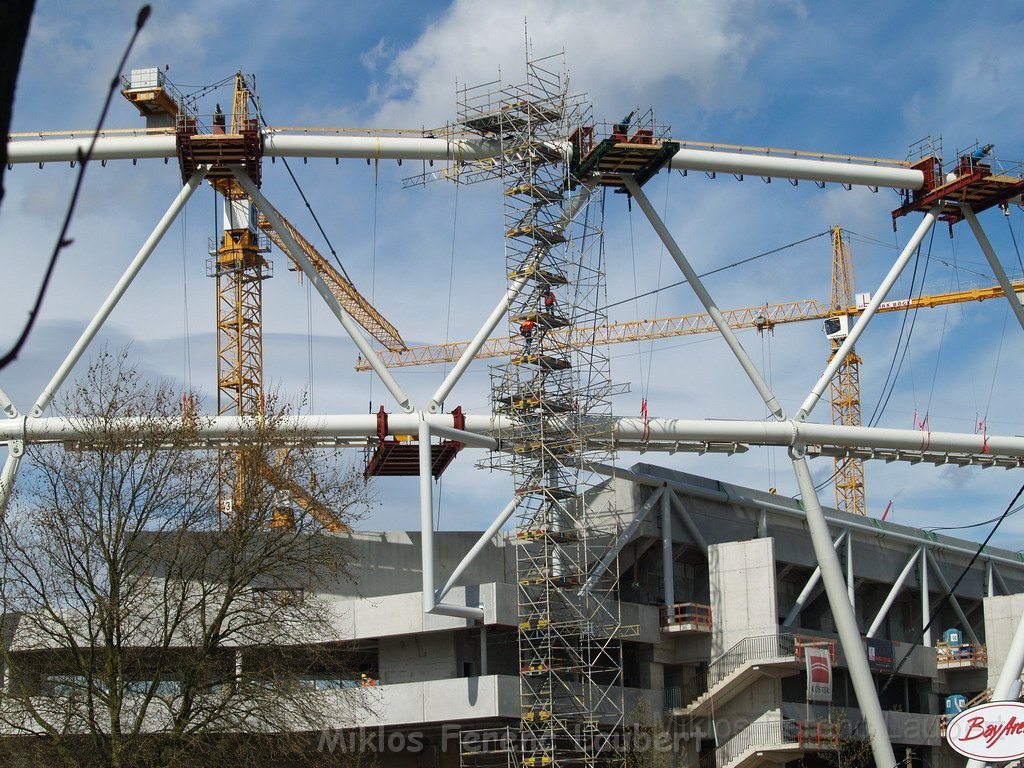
(773, 733)
(958, 654)
(685, 613)
(747, 649)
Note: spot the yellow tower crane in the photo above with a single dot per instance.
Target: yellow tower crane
(837, 316)
(240, 267)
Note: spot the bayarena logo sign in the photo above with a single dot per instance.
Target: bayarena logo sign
(993, 731)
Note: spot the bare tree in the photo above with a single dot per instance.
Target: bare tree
(143, 628)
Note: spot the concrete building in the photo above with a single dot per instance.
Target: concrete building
(716, 643)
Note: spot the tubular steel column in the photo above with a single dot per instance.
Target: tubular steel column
(993, 260)
(842, 613)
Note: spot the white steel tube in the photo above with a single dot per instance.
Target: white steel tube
(622, 540)
(705, 298)
(503, 305)
(688, 523)
(1008, 681)
(478, 341)
(300, 258)
(483, 541)
(862, 322)
(957, 608)
(667, 431)
(842, 614)
(118, 291)
(851, 583)
(897, 587)
(797, 168)
(809, 587)
(106, 148)
(466, 438)
(926, 599)
(667, 556)
(993, 260)
(455, 150)
(426, 518)
(7, 476)
(7, 406)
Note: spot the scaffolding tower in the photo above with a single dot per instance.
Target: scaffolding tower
(556, 394)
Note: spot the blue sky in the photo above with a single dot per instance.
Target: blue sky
(866, 79)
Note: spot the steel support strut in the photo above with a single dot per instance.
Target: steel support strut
(118, 291)
(300, 258)
(842, 613)
(993, 260)
(850, 341)
(705, 298)
(511, 294)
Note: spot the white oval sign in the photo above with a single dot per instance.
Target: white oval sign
(993, 731)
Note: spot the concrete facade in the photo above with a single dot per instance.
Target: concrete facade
(732, 690)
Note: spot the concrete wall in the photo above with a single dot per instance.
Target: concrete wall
(1002, 615)
(742, 585)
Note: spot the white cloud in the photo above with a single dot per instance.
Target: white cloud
(621, 54)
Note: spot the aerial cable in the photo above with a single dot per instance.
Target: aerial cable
(309, 207)
(894, 369)
(935, 611)
(1014, 238)
(657, 297)
(309, 343)
(715, 271)
(63, 241)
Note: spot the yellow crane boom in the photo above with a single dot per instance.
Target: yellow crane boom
(350, 299)
(761, 318)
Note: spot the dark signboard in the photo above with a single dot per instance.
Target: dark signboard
(879, 654)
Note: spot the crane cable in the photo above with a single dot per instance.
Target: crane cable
(894, 368)
(309, 207)
(716, 270)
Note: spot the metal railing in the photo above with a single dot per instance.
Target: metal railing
(773, 733)
(685, 613)
(747, 649)
(955, 654)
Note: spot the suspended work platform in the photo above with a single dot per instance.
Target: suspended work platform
(640, 155)
(399, 455)
(973, 182)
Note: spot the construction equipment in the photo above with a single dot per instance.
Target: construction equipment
(838, 316)
(240, 267)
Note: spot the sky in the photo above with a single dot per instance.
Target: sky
(867, 79)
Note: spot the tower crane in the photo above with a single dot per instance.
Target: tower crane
(239, 267)
(843, 308)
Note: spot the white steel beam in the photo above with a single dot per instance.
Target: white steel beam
(430, 601)
(118, 291)
(926, 599)
(705, 298)
(840, 355)
(843, 615)
(810, 586)
(688, 523)
(7, 406)
(483, 541)
(503, 305)
(941, 578)
(993, 260)
(624, 537)
(667, 554)
(299, 257)
(662, 431)
(48, 150)
(897, 587)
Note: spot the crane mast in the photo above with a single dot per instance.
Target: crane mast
(845, 385)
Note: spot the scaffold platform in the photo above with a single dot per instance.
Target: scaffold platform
(972, 183)
(614, 158)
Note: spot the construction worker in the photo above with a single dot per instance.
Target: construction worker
(549, 300)
(526, 331)
(219, 121)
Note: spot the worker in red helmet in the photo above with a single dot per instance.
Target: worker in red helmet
(526, 331)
